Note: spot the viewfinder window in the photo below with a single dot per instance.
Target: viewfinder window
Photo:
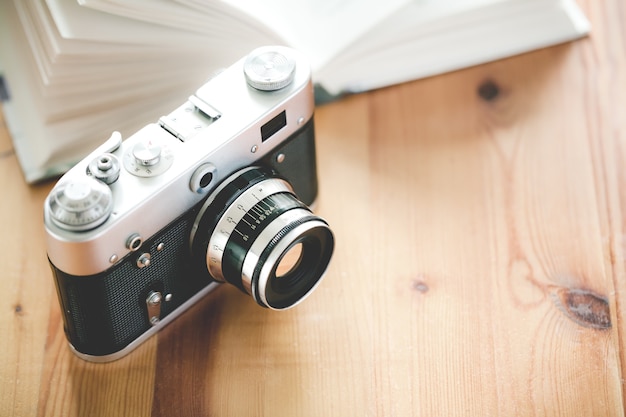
(273, 126)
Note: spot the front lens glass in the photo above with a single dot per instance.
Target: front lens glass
(289, 261)
(281, 291)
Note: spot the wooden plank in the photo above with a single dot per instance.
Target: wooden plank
(483, 203)
(26, 290)
(604, 97)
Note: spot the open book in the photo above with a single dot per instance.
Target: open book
(76, 70)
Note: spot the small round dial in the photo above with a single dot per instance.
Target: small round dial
(80, 204)
(105, 167)
(148, 158)
(147, 153)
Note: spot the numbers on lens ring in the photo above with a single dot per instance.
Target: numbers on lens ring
(253, 216)
(250, 225)
(243, 236)
(218, 248)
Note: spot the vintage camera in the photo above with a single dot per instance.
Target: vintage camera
(216, 191)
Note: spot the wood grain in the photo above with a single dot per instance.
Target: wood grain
(479, 268)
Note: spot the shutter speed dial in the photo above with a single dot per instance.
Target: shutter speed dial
(80, 204)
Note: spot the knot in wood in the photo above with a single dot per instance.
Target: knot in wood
(584, 307)
(488, 90)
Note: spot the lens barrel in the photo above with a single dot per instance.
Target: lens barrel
(245, 229)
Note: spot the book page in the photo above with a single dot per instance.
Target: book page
(74, 21)
(421, 21)
(212, 22)
(435, 37)
(320, 28)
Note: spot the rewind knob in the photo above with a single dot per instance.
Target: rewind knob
(80, 204)
(267, 69)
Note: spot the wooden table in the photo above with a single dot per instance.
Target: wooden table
(480, 219)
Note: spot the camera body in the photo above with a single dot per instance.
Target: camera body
(216, 191)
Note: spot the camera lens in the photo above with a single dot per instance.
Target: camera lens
(254, 233)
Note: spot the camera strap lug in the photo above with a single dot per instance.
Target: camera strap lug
(153, 303)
